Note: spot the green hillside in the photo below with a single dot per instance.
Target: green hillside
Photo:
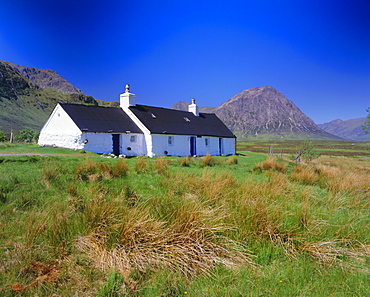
(23, 104)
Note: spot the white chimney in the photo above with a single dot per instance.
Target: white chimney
(193, 108)
(127, 99)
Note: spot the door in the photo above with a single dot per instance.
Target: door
(115, 145)
(220, 146)
(193, 145)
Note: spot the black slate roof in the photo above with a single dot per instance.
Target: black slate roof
(100, 119)
(169, 121)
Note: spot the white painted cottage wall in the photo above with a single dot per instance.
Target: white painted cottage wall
(213, 147)
(138, 147)
(102, 143)
(181, 145)
(60, 130)
(228, 146)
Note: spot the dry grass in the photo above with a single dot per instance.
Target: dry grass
(340, 176)
(232, 160)
(304, 174)
(141, 165)
(187, 245)
(185, 161)
(161, 166)
(271, 164)
(208, 160)
(336, 252)
(120, 168)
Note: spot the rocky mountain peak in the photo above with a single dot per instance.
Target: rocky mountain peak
(45, 78)
(264, 110)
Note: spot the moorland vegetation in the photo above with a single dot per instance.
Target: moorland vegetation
(76, 224)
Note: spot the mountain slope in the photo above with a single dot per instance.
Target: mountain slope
(350, 129)
(264, 112)
(24, 104)
(45, 78)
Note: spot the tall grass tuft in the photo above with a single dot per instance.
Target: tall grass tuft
(271, 164)
(305, 175)
(208, 160)
(50, 174)
(187, 245)
(232, 160)
(185, 161)
(141, 165)
(120, 168)
(161, 166)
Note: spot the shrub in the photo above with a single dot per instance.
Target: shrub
(26, 135)
(2, 136)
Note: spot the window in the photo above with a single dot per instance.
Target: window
(206, 141)
(133, 138)
(186, 119)
(170, 140)
(153, 115)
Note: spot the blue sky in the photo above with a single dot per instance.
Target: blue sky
(317, 53)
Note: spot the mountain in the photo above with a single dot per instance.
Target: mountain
(28, 95)
(350, 129)
(45, 78)
(265, 113)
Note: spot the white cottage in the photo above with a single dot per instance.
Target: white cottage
(135, 130)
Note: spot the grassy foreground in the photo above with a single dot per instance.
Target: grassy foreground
(77, 224)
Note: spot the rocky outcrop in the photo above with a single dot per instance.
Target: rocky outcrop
(45, 78)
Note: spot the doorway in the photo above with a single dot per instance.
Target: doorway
(193, 145)
(116, 144)
(220, 146)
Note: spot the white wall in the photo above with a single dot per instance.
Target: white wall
(138, 147)
(228, 146)
(181, 145)
(60, 130)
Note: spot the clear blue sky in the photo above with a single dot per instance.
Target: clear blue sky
(316, 52)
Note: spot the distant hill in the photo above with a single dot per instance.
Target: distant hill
(28, 95)
(349, 129)
(265, 113)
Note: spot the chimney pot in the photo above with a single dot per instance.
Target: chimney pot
(193, 108)
(127, 99)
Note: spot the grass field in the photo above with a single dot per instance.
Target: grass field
(76, 224)
(324, 147)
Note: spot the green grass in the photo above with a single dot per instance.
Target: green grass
(75, 224)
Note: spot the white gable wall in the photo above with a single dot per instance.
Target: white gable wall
(60, 130)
